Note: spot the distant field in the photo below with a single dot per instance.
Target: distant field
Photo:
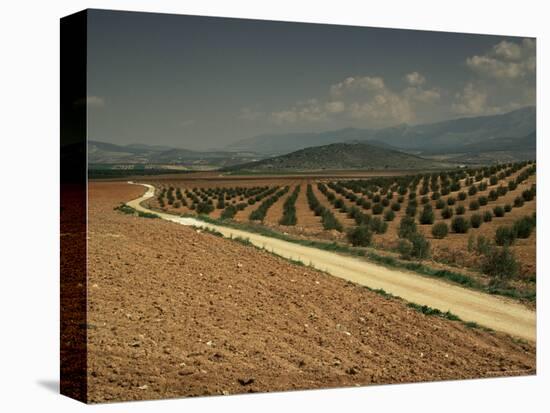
(327, 206)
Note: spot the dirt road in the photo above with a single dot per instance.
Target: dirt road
(494, 312)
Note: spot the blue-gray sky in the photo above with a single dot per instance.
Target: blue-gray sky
(200, 82)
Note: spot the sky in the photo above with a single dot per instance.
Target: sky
(203, 83)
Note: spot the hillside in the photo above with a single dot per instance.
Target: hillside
(441, 137)
(138, 154)
(342, 156)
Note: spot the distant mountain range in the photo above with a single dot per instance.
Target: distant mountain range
(342, 156)
(477, 140)
(464, 135)
(108, 153)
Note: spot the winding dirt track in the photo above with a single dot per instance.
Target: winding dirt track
(494, 312)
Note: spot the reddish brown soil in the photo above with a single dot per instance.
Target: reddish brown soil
(174, 312)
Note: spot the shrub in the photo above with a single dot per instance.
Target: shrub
(289, 208)
(451, 201)
(500, 264)
(389, 215)
(462, 196)
(504, 236)
(487, 216)
(204, 208)
(385, 202)
(483, 245)
(498, 211)
(440, 230)
(396, 206)
(440, 204)
(482, 200)
(502, 190)
(416, 246)
(407, 227)
(476, 220)
(427, 216)
(507, 208)
(360, 236)
(460, 210)
(377, 209)
(474, 205)
(411, 210)
(447, 213)
(229, 212)
(523, 227)
(528, 195)
(378, 226)
(436, 196)
(472, 190)
(518, 202)
(425, 200)
(329, 221)
(460, 225)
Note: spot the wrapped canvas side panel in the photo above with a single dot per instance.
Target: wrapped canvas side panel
(73, 212)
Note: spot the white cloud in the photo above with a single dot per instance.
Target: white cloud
(415, 79)
(336, 106)
(357, 84)
(507, 50)
(421, 95)
(470, 101)
(504, 80)
(383, 109)
(474, 100)
(506, 61)
(307, 111)
(364, 98)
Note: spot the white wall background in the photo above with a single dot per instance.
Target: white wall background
(29, 137)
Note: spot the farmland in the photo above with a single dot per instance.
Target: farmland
(459, 219)
(174, 311)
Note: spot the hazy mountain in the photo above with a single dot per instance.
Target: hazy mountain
(447, 136)
(108, 153)
(152, 148)
(341, 156)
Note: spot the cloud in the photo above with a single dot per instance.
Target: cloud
(475, 101)
(506, 61)
(357, 84)
(415, 79)
(503, 80)
(422, 95)
(364, 98)
(336, 106)
(383, 109)
(470, 101)
(308, 111)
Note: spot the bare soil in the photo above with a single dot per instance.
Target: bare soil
(174, 312)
